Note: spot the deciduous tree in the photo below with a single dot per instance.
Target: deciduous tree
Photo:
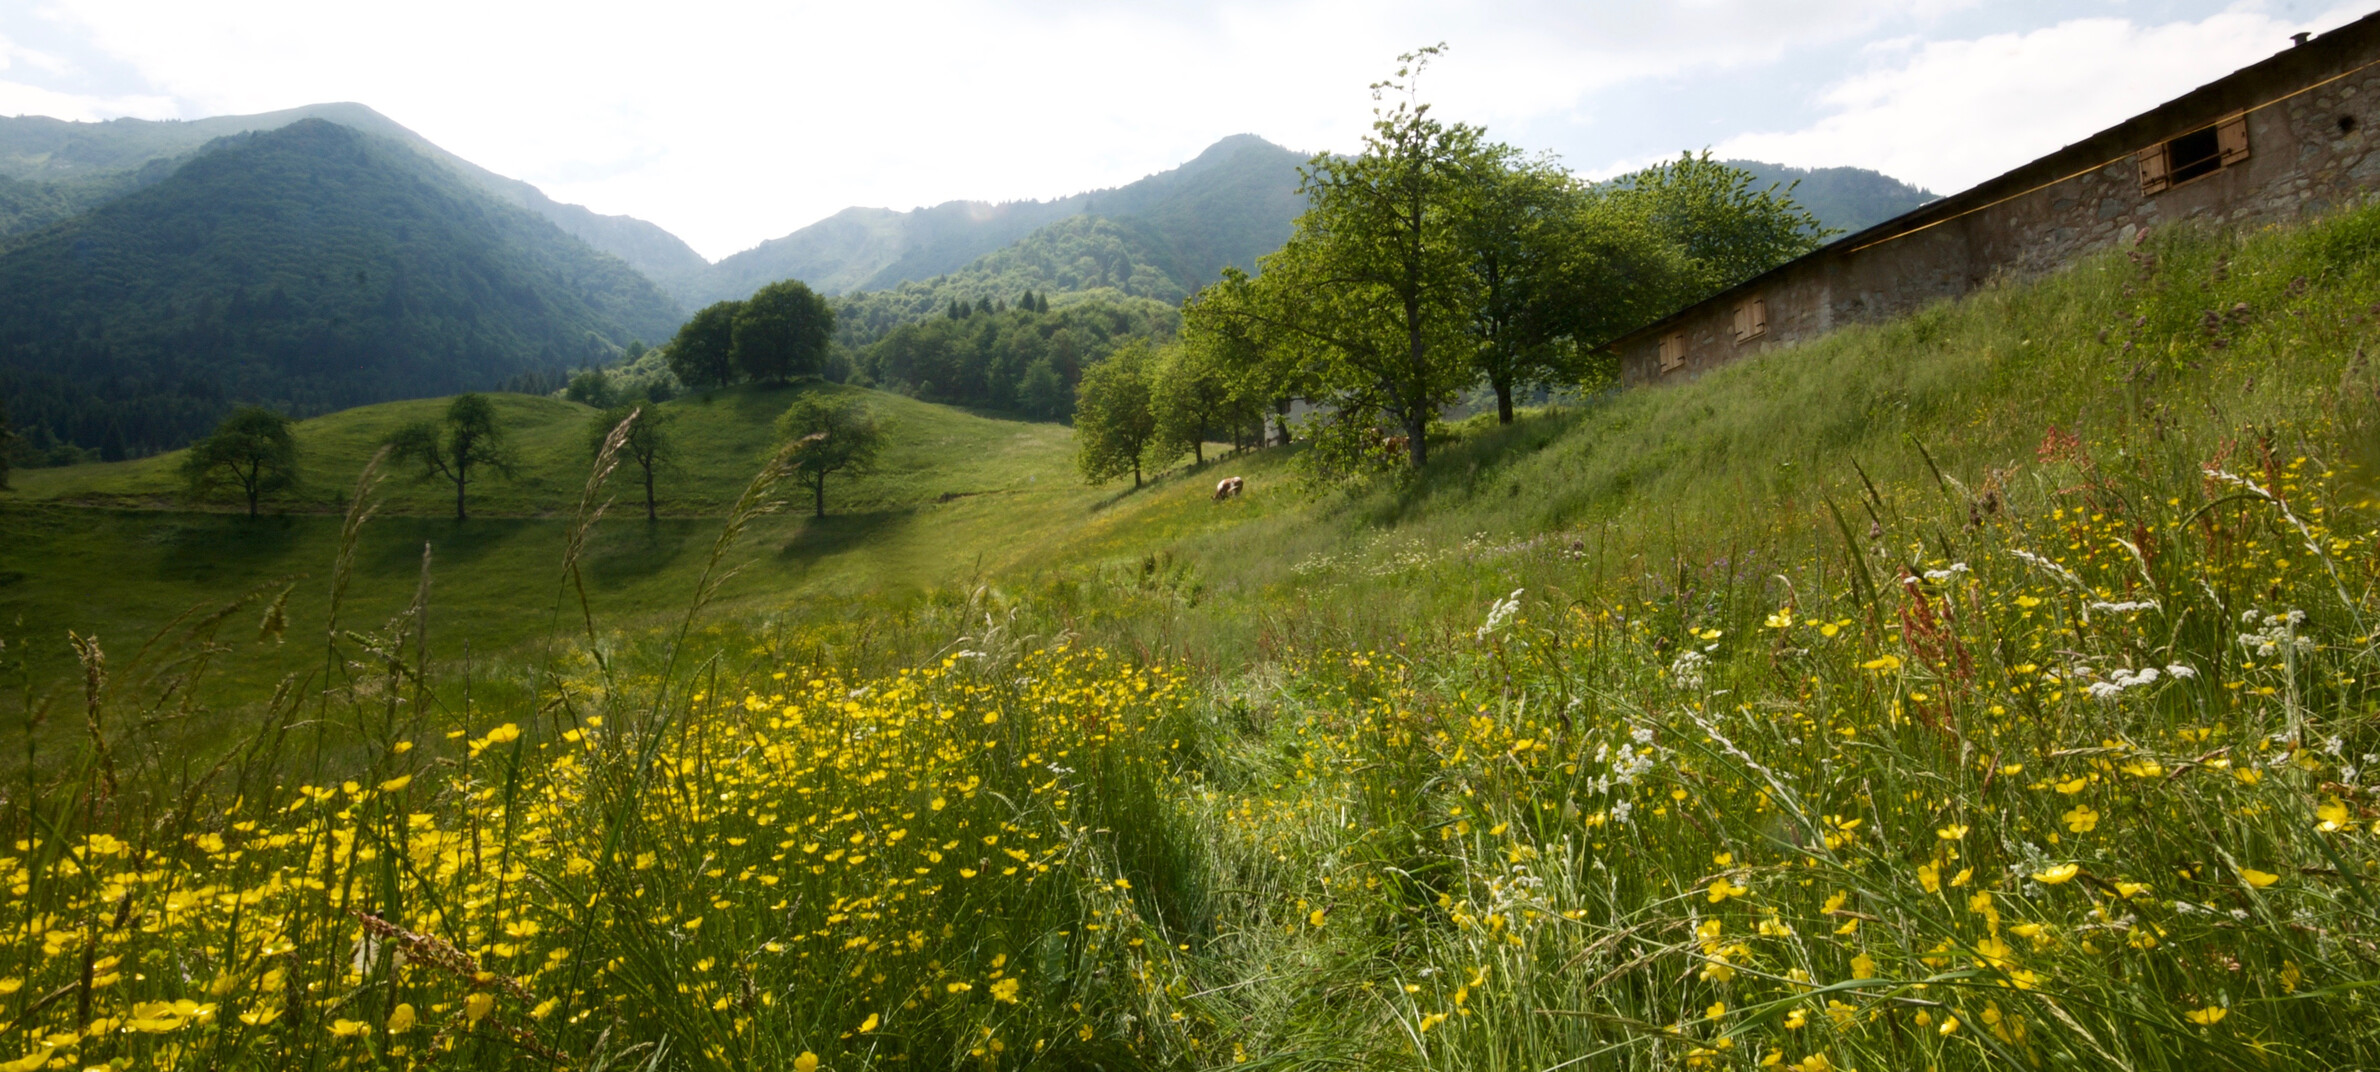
(1195, 393)
(781, 332)
(1115, 420)
(1372, 284)
(648, 444)
(457, 448)
(842, 436)
(252, 450)
(1557, 270)
(701, 354)
(1730, 231)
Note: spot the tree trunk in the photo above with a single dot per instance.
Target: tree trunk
(818, 486)
(650, 513)
(1417, 446)
(1504, 402)
(1136, 474)
(1280, 420)
(460, 513)
(1198, 447)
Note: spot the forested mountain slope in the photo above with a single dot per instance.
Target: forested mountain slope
(86, 163)
(1845, 199)
(1228, 206)
(312, 268)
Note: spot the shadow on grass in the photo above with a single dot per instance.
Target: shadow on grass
(834, 534)
(393, 545)
(627, 551)
(203, 548)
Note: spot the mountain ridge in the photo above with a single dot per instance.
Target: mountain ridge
(63, 155)
(311, 267)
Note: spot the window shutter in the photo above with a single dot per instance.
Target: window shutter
(2231, 136)
(1743, 323)
(2152, 169)
(1759, 316)
(1673, 351)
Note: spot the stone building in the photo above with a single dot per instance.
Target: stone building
(2287, 137)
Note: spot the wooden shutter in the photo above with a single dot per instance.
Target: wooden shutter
(2231, 136)
(1760, 316)
(1673, 351)
(2152, 169)
(1743, 322)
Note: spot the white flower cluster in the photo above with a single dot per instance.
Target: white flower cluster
(2124, 678)
(2126, 607)
(1628, 763)
(1500, 614)
(1939, 576)
(2277, 635)
(1686, 670)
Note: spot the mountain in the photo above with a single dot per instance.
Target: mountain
(85, 163)
(1074, 259)
(310, 267)
(1231, 204)
(1846, 199)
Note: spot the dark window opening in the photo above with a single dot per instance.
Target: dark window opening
(2191, 155)
(2346, 124)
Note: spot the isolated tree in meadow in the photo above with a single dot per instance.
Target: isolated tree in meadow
(701, 354)
(649, 445)
(842, 436)
(1115, 418)
(782, 331)
(252, 450)
(457, 448)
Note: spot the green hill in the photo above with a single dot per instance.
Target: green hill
(1233, 203)
(86, 164)
(312, 268)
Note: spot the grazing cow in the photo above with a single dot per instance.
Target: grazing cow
(1394, 446)
(1228, 487)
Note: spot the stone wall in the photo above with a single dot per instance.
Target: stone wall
(2309, 149)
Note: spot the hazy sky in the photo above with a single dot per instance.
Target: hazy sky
(732, 122)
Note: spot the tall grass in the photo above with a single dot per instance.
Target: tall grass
(1965, 692)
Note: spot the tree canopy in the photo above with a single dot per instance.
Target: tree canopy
(469, 439)
(252, 450)
(1727, 229)
(1115, 419)
(702, 353)
(648, 445)
(840, 434)
(780, 332)
(1436, 261)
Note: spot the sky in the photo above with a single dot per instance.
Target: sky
(730, 123)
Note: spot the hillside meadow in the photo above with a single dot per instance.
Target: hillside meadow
(1991, 688)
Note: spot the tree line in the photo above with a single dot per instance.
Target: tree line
(1432, 263)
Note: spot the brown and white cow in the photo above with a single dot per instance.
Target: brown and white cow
(1228, 487)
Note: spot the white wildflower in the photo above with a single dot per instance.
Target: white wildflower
(1500, 614)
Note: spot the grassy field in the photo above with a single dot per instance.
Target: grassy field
(1990, 689)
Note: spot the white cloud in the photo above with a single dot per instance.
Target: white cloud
(1949, 114)
(729, 123)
